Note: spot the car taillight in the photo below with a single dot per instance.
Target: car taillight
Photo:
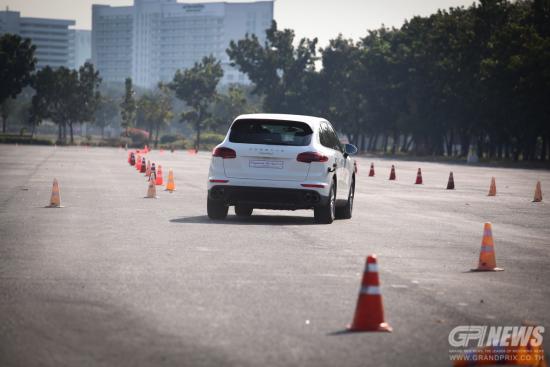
(308, 157)
(224, 153)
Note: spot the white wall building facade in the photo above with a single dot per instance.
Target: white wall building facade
(52, 37)
(152, 39)
(80, 47)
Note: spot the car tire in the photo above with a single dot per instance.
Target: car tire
(324, 214)
(216, 209)
(243, 211)
(345, 212)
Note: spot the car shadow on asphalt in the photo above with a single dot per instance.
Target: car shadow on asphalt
(253, 220)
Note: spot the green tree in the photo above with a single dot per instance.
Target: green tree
(66, 97)
(228, 106)
(84, 101)
(281, 72)
(54, 91)
(155, 111)
(128, 106)
(106, 113)
(468, 76)
(342, 91)
(197, 88)
(17, 63)
(164, 113)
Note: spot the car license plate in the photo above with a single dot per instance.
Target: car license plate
(266, 164)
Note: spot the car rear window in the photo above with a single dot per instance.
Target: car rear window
(270, 132)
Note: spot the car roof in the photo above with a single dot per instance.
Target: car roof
(312, 121)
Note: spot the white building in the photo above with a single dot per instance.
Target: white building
(50, 36)
(152, 39)
(80, 47)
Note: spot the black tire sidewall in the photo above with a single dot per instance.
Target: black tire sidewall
(216, 209)
(327, 213)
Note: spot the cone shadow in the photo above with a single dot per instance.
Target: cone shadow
(350, 332)
(341, 332)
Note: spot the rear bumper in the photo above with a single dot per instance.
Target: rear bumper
(267, 197)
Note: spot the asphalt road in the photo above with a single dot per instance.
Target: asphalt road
(113, 279)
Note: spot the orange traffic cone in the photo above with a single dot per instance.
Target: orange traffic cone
(148, 168)
(451, 182)
(418, 177)
(151, 190)
(138, 162)
(159, 176)
(531, 354)
(538, 193)
(170, 185)
(371, 172)
(369, 313)
(392, 173)
(55, 199)
(492, 188)
(487, 261)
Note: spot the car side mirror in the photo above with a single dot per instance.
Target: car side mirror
(350, 149)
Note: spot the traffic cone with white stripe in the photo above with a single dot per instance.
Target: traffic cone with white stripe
(148, 169)
(138, 162)
(487, 260)
(153, 173)
(371, 172)
(369, 313)
(55, 199)
(143, 167)
(158, 181)
(392, 172)
(492, 188)
(151, 190)
(451, 182)
(538, 193)
(418, 177)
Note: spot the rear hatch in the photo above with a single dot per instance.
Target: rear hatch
(267, 150)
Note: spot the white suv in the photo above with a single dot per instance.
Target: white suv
(289, 162)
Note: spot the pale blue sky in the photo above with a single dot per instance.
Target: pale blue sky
(309, 18)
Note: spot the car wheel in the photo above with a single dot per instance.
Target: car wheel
(325, 214)
(243, 211)
(216, 209)
(345, 211)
